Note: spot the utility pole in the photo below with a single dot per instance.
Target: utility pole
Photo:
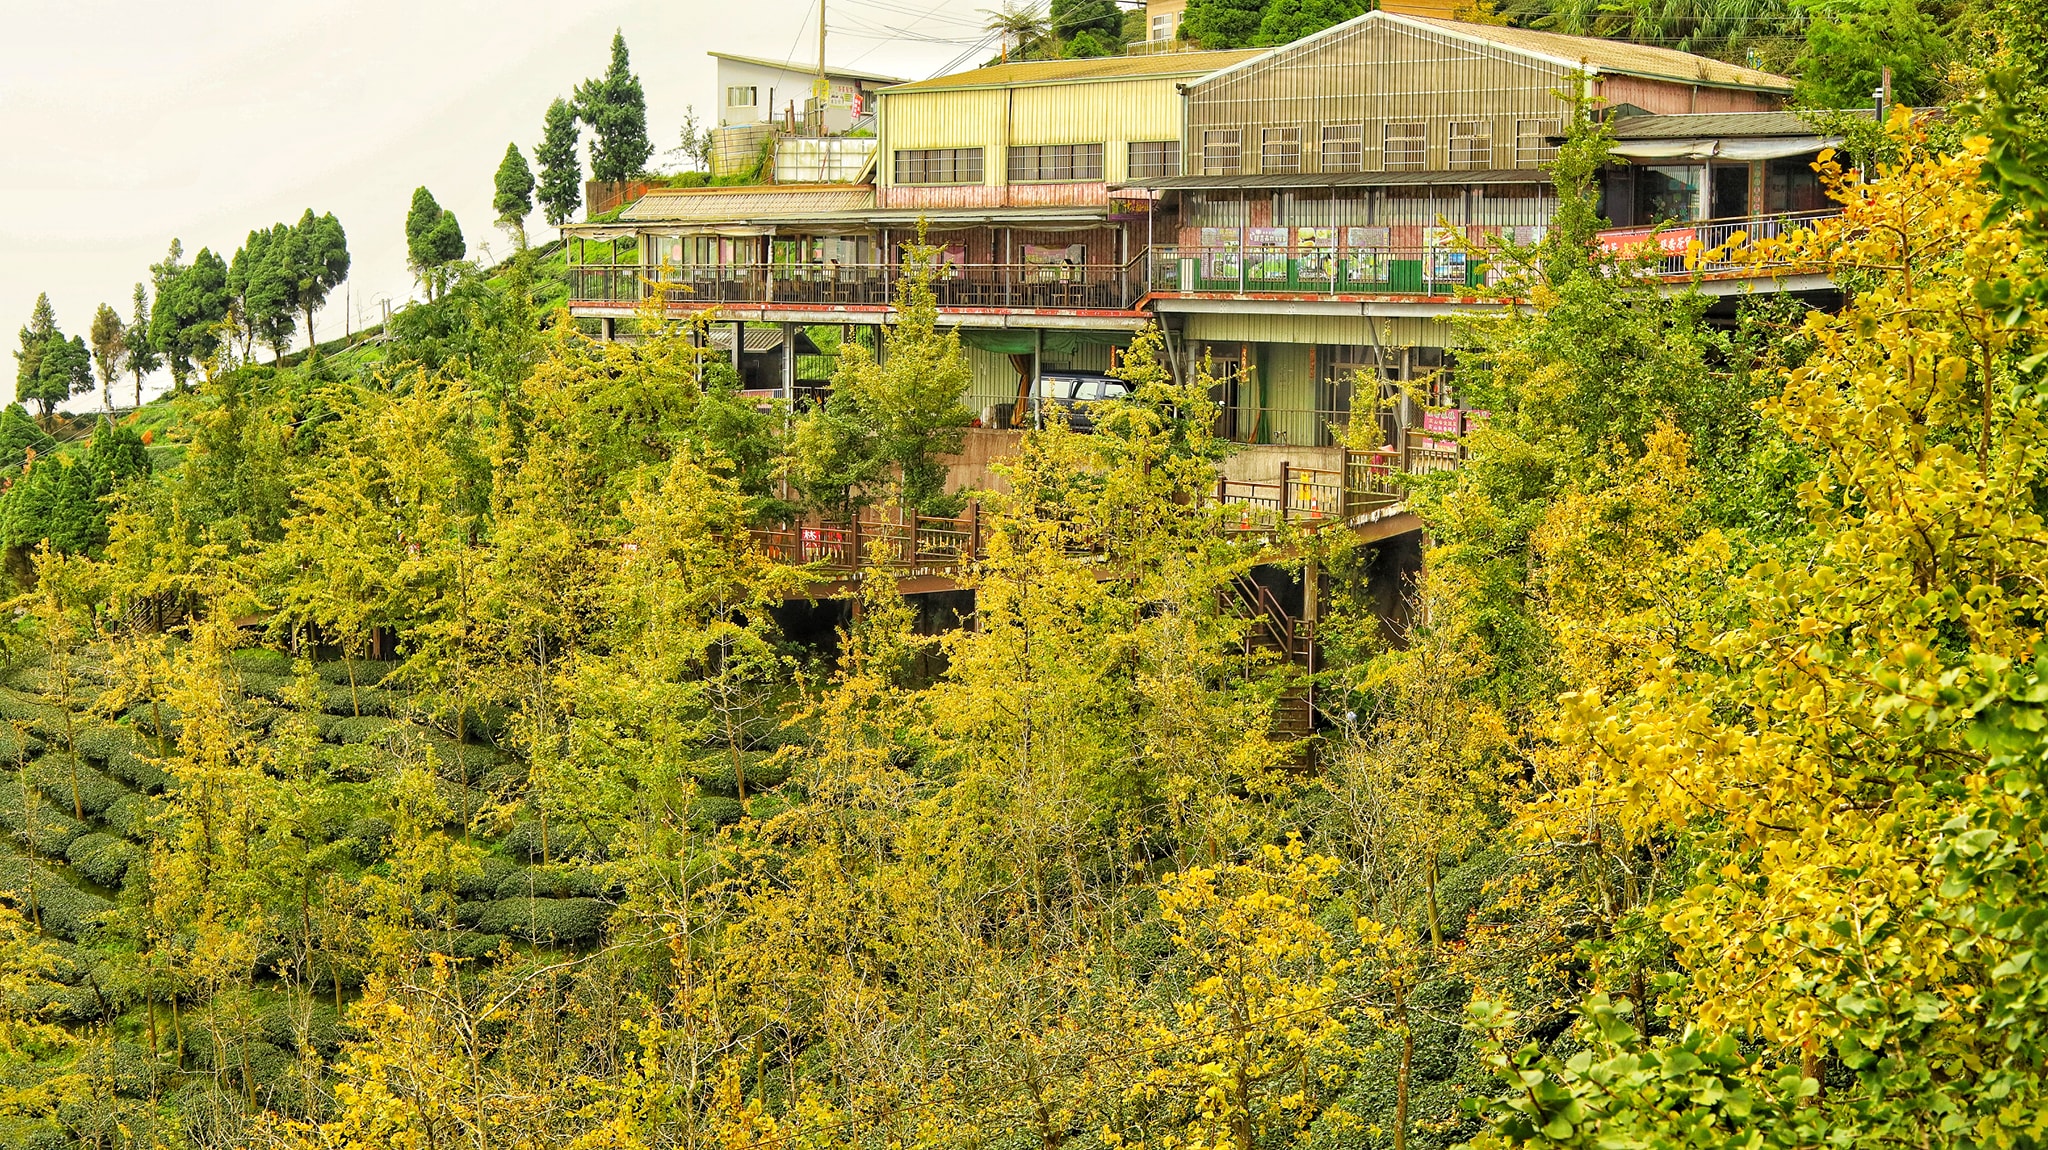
(822, 90)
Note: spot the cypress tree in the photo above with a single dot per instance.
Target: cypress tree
(561, 171)
(143, 357)
(616, 110)
(35, 341)
(433, 240)
(514, 198)
(315, 262)
(109, 350)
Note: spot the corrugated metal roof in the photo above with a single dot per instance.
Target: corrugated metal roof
(1102, 68)
(720, 205)
(1346, 180)
(1608, 55)
(806, 69)
(1723, 125)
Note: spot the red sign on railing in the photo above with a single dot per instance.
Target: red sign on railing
(1638, 241)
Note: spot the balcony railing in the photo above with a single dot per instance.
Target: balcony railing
(1035, 286)
(1716, 247)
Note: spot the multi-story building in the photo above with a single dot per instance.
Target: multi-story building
(1302, 217)
(1010, 171)
(1335, 190)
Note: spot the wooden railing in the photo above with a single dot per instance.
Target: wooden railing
(893, 537)
(1313, 496)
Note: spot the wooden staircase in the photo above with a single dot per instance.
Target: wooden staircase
(1272, 629)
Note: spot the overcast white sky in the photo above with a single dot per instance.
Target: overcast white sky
(124, 123)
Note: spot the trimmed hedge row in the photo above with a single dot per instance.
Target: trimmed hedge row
(545, 920)
(53, 829)
(124, 755)
(102, 858)
(54, 774)
(67, 912)
(715, 774)
(551, 882)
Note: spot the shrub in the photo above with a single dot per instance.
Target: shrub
(370, 729)
(280, 1026)
(31, 711)
(546, 920)
(563, 841)
(367, 838)
(130, 815)
(53, 776)
(484, 883)
(368, 672)
(708, 813)
(477, 946)
(102, 858)
(551, 882)
(66, 911)
(143, 718)
(715, 774)
(17, 744)
(263, 661)
(52, 831)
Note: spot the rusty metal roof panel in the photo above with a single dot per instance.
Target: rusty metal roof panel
(1604, 55)
(1165, 64)
(1720, 125)
(767, 203)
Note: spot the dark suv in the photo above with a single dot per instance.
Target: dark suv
(1075, 392)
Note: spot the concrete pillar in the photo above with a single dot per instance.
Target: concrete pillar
(739, 346)
(789, 331)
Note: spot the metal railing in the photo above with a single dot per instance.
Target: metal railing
(1711, 247)
(1329, 271)
(1114, 287)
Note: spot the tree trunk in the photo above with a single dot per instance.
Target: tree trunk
(1401, 1076)
(1436, 928)
(311, 343)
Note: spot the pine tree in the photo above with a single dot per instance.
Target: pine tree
(109, 351)
(65, 370)
(514, 198)
(143, 357)
(191, 302)
(257, 278)
(616, 110)
(1223, 23)
(561, 170)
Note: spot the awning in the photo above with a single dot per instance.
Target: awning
(1769, 148)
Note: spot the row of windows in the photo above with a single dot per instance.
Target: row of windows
(1035, 164)
(1404, 147)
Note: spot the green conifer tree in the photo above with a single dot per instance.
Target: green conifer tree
(35, 340)
(514, 193)
(315, 262)
(433, 240)
(616, 110)
(143, 356)
(561, 170)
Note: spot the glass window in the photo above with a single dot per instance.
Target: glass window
(1055, 163)
(1791, 185)
(741, 96)
(938, 166)
(1343, 147)
(1667, 193)
(1407, 147)
(1280, 149)
(1471, 144)
(1731, 191)
(1164, 25)
(1221, 151)
(1532, 142)
(1148, 159)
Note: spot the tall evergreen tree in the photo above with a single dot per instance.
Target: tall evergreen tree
(191, 303)
(109, 351)
(316, 261)
(1223, 23)
(514, 198)
(561, 170)
(35, 340)
(433, 240)
(142, 354)
(616, 110)
(65, 370)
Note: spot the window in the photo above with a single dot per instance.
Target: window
(1221, 151)
(1668, 193)
(1532, 142)
(1154, 159)
(1471, 144)
(1055, 163)
(1164, 25)
(1407, 148)
(939, 166)
(1343, 147)
(1280, 149)
(741, 96)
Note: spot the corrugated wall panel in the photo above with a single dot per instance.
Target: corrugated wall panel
(1372, 75)
(1342, 331)
(995, 381)
(1110, 114)
(962, 118)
